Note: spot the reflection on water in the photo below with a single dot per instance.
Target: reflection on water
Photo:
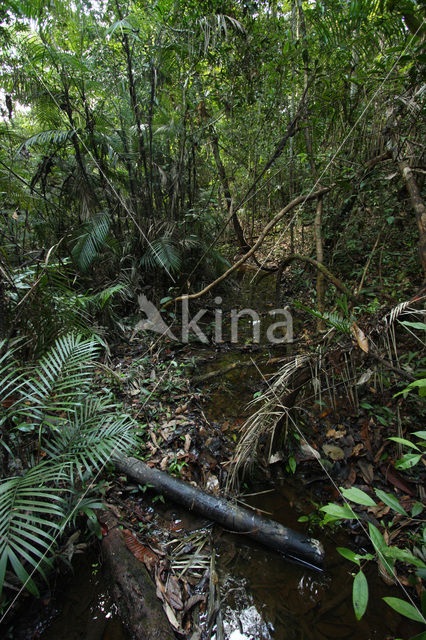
(86, 610)
(263, 596)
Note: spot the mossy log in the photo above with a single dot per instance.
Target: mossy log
(133, 591)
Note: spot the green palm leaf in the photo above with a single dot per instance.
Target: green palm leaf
(30, 515)
(60, 379)
(91, 435)
(91, 241)
(162, 253)
(52, 137)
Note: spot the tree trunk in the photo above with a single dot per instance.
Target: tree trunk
(272, 534)
(320, 286)
(418, 206)
(320, 260)
(227, 192)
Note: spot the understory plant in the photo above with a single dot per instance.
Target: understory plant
(58, 432)
(386, 553)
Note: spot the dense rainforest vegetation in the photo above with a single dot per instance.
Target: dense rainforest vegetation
(157, 149)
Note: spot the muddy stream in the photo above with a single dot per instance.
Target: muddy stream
(263, 595)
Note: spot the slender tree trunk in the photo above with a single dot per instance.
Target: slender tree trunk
(418, 206)
(79, 158)
(142, 160)
(320, 259)
(226, 191)
(320, 284)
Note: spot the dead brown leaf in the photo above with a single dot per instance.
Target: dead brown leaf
(379, 510)
(351, 478)
(187, 442)
(173, 593)
(181, 409)
(336, 435)
(143, 554)
(394, 477)
(193, 600)
(365, 434)
(164, 463)
(360, 337)
(367, 472)
(357, 448)
(334, 452)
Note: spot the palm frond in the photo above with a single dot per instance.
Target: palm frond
(31, 510)
(162, 253)
(59, 379)
(10, 374)
(91, 435)
(332, 319)
(92, 240)
(263, 422)
(52, 137)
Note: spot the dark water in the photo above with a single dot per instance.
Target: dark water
(263, 596)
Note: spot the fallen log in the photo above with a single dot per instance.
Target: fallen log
(234, 518)
(133, 590)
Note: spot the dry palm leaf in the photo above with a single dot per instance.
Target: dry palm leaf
(143, 554)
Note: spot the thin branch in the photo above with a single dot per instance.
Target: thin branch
(267, 229)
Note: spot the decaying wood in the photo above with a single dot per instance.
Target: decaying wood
(234, 518)
(133, 590)
(219, 372)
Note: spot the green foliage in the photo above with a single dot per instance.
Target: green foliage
(31, 510)
(360, 594)
(387, 554)
(77, 429)
(162, 253)
(91, 242)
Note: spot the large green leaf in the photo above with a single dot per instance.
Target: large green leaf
(163, 253)
(391, 501)
(339, 512)
(405, 609)
(92, 240)
(91, 435)
(31, 510)
(358, 496)
(360, 594)
(60, 380)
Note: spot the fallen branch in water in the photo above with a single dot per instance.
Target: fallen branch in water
(234, 518)
(218, 372)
